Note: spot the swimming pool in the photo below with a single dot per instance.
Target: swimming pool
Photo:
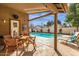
(46, 35)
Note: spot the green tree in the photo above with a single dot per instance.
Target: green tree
(73, 15)
(49, 23)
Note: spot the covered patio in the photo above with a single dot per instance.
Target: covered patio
(45, 47)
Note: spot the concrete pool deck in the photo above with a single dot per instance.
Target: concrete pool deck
(45, 48)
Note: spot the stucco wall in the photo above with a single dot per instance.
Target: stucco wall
(6, 14)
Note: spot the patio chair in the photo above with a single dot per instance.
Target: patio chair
(30, 40)
(11, 42)
(27, 40)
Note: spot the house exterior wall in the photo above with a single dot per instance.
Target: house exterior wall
(6, 14)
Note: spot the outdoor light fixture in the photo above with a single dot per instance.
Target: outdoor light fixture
(4, 21)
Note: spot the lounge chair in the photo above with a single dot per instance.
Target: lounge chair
(72, 40)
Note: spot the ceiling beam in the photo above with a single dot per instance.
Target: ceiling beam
(65, 7)
(51, 7)
(38, 12)
(35, 9)
(62, 7)
(35, 12)
(40, 16)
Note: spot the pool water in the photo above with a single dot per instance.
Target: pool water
(46, 35)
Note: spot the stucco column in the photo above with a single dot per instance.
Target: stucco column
(24, 21)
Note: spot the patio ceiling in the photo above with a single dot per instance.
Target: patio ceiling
(32, 8)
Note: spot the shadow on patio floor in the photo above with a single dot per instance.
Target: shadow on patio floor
(58, 53)
(71, 46)
(30, 53)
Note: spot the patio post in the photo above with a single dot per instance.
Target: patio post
(55, 31)
(20, 26)
(27, 22)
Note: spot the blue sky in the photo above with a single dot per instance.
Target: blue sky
(61, 17)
